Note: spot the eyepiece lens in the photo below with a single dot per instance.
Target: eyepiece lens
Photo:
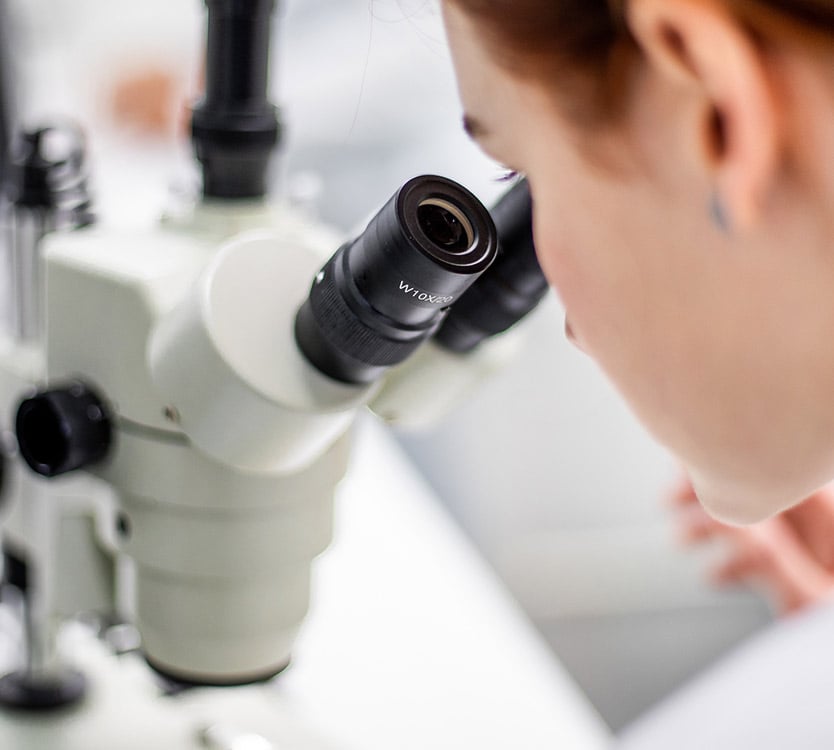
(445, 225)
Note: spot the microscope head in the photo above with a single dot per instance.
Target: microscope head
(265, 383)
(232, 383)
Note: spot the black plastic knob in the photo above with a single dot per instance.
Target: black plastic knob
(3, 493)
(63, 429)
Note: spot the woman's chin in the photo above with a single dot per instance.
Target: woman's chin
(737, 505)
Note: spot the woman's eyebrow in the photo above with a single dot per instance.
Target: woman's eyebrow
(473, 127)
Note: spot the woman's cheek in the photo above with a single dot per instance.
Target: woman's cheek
(548, 241)
(562, 273)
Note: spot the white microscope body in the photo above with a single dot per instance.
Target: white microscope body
(228, 444)
(226, 447)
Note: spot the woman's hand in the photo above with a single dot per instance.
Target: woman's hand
(790, 555)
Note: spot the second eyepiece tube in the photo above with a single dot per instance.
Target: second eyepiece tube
(510, 290)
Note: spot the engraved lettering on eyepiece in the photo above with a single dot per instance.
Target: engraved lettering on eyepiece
(421, 296)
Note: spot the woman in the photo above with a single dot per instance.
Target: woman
(679, 153)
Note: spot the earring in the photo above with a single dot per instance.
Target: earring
(718, 213)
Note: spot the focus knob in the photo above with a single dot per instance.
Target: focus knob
(63, 429)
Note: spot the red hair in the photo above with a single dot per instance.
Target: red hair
(587, 42)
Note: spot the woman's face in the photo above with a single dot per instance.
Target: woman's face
(719, 341)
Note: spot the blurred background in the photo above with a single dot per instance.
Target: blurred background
(543, 467)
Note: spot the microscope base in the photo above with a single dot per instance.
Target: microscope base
(127, 708)
(182, 682)
(22, 692)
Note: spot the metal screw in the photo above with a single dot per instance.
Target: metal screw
(123, 525)
(223, 737)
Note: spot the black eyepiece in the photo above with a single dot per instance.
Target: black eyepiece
(512, 287)
(383, 294)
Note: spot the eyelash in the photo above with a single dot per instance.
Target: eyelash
(507, 175)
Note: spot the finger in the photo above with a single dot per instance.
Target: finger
(695, 529)
(695, 525)
(787, 593)
(770, 554)
(682, 493)
(737, 569)
(813, 523)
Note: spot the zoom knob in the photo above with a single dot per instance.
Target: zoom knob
(63, 429)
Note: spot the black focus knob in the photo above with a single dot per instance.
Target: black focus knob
(63, 429)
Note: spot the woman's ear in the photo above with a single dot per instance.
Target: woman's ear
(699, 43)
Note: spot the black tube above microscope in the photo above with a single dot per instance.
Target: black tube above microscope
(6, 115)
(234, 128)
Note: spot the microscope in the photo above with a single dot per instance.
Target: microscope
(177, 404)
